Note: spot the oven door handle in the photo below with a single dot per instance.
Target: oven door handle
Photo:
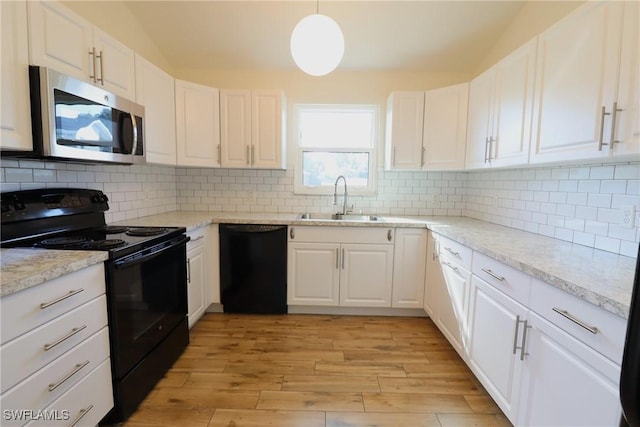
(132, 260)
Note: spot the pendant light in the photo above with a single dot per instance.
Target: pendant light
(317, 44)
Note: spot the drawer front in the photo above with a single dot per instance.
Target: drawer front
(197, 237)
(26, 354)
(597, 328)
(23, 311)
(52, 381)
(86, 403)
(506, 279)
(454, 251)
(321, 234)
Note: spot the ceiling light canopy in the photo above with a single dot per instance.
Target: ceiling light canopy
(317, 45)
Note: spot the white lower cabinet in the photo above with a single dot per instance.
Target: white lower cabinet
(196, 276)
(340, 266)
(564, 382)
(409, 259)
(495, 341)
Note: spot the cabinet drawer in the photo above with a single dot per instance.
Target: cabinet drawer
(86, 403)
(506, 279)
(23, 311)
(197, 237)
(454, 251)
(322, 234)
(597, 328)
(26, 354)
(35, 392)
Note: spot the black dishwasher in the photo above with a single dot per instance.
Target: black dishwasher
(253, 268)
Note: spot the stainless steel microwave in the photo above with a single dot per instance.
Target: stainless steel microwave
(74, 120)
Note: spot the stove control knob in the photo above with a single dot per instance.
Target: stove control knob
(99, 198)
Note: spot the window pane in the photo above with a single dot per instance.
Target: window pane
(336, 128)
(322, 168)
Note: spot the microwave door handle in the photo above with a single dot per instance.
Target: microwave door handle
(135, 134)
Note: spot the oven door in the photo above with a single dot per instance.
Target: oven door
(147, 297)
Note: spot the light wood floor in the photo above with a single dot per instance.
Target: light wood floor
(308, 371)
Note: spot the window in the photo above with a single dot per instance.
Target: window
(335, 140)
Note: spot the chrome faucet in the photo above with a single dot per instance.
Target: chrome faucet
(335, 196)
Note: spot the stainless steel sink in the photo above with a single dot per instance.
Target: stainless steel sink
(339, 217)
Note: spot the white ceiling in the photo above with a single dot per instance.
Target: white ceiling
(428, 36)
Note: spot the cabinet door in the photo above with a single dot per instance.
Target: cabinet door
(445, 127)
(15, 123)
(195, 282)
(494, 331)
(197, 125)
(60, 39)
(513, 105)
(433, 279)
(115, 65)
(566, 383)
(405, 116)
(267, 142)
(409, 257)
(313, 275)
(577, 71)
(627, 126)
(155, 90)
(235, 128)
(212, 286)
(366, 275)
(479, 120)
(453, 296)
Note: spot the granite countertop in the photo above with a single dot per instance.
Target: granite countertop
(22, 268)
(599, 277)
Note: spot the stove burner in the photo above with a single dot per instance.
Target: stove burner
(63, 242)
(114, 229)
(106, 244)
(145, 231)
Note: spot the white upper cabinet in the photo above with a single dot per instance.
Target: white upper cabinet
(405, 118)
(426, 130)
(444, 136)
(252, 129)
(15, 120)
(62, 40)
(626, 131)
(576, 83)
(500, 109)
(155, 90)
(197, 125)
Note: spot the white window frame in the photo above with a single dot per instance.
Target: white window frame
(371, 188)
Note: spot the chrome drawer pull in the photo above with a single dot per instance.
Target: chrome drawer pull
(566, 314)
(62, 298)
(292, 233)
(71, 333)
(75, 370)
(515, 337)
(197, 238)
(83, 412)
(492, 274)
(454, 268)
(452, 252)
(389, 235)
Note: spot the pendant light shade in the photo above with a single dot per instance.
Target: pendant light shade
(317, 45)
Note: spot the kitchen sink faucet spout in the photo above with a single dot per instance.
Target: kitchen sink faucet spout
(335, 195)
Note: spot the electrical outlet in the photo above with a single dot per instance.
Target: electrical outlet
(628, 216)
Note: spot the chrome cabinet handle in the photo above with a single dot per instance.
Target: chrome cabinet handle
(92, 53)
(59, 299)
(74, 371)
(453, 267)
(343, 258)
(197, 238)
(422, 158)
(101, 57)
(292, 233)
(491, 141)
(253, 154)
(515, 336)
(188, 270)
(71, 333)
(83, 412)
(452, 252)
(486, 149)
(389, 234)
(614, 116)
(564, 313)
(601, 140)
(393, 156)
(248, 156)
(219, 154)
(337, 258)
(492, 274)
(525, 328)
